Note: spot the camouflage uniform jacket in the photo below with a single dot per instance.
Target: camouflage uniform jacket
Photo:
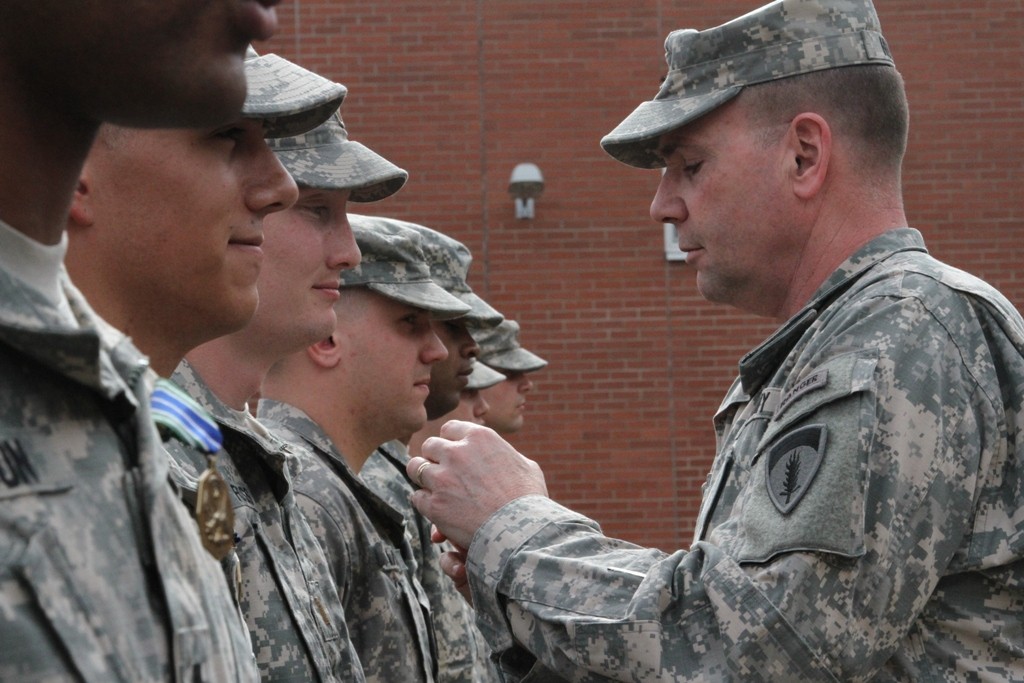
(286, 593)
(462, 653)
(862, 519)
(368, 550)
(102, 575)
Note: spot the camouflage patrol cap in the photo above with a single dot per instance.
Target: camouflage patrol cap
(289, 99)
(449, 262)
(708, 68)
(483, 377)
(500, 349)
(393, 265)
(325, 159)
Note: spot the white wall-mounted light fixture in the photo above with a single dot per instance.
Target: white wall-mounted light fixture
(525, 185)
(672, 250)
(671, 235)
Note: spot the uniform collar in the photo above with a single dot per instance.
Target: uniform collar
(91, 353)
(757, 366)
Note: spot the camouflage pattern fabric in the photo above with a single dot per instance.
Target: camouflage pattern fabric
(483, 377)
(287, 595)
(325, 159)
(289, 99)
(500, 349)
(369, 554)
(462, 654)
(449, 261)
(862, 520)
(708, 68)
(102, 574)
(393, 264)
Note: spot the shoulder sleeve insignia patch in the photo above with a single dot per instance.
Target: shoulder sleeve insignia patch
(792, 463)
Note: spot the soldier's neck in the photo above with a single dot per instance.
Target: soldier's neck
(233, 377)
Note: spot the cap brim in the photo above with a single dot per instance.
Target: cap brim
(515, 360)
(426, 295)
(344, 165)
(483, 377)
(481, 314)
(634, 140)
(289, 99)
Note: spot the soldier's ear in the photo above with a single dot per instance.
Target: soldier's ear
(326, 353)
(809, 144)
(81, 214)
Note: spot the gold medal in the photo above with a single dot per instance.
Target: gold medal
(214, 513)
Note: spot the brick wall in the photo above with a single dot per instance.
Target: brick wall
(460, 92)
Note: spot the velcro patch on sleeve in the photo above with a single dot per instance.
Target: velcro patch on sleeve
(792, 463)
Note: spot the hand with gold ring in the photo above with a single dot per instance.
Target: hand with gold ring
(463, 491)
(417, 478)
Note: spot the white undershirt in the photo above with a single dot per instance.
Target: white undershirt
(38, 265)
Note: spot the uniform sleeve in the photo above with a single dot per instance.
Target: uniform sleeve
(827, 590)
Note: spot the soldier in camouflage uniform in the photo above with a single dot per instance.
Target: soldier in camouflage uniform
(288, 595)
(210, 289)
(462, 654)
(356, 389)
(450, 261)
(472, 407)
(500, 349)
(862, 519)
(102, 575)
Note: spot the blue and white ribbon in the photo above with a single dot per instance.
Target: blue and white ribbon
(177, 415)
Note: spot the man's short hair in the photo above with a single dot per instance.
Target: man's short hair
(865, 104)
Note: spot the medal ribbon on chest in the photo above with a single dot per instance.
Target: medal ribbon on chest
(178, 416)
